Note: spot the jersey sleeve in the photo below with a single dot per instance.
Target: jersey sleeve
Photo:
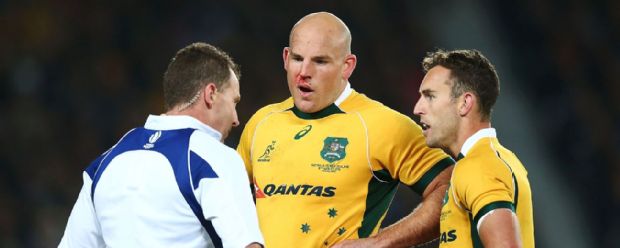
(483, 186)
(400, 147)
(227, 202)
(83, 228)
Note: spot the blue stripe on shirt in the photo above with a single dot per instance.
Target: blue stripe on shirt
(174, 145)
(200, 169)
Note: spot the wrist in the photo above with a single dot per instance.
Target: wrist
(378, 241)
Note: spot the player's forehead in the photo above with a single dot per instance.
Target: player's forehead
(312, 45)
(436, 79)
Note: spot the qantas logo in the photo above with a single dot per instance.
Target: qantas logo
(257, 192)
(292, 189)
(447, 237)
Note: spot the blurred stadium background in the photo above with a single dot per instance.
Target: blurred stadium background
(75, 75)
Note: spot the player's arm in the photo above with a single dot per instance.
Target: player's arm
(421, 226)
(428, 173)
(499, 228)
(83, 228)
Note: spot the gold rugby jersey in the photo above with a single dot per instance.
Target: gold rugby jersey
(328, 176)
(487, 176)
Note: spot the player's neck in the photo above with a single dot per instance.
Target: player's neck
(467, 129)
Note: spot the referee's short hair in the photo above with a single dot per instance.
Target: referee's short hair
(470, 71)
(192, 68)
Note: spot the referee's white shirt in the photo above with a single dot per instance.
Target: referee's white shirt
(150, 188)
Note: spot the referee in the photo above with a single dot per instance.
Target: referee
(172, 183)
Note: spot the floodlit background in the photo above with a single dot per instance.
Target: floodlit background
(75, 75)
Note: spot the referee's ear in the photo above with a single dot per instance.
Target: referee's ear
(209, 93)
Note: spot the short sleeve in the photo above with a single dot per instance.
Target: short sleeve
(479, 185)
(400, 147)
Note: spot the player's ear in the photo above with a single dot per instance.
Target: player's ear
(285, 54)
(350, 61)
(466, 103)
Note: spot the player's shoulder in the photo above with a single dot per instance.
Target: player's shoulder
(274, 107)
(481, 161)
(266, 111)
(377, 117)
(372, 110)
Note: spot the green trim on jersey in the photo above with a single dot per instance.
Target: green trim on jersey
(380, 194)
(460, 156)
(428, 177)
(475, 238)
(327, 111)
(492, 206)
(514, 179)
(484, 210)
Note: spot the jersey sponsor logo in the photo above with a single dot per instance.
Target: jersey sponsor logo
(334, 149)
(266, 157)
(303, 189)
(154, 137)
(303, 132)
(448, 236)
(258, 193)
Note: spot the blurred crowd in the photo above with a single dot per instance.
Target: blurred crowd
(569, 53)
(74, 76)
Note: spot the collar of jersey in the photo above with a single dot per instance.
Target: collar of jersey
(327, 111)
(345, 93)
(172, 122)
(471, 141)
